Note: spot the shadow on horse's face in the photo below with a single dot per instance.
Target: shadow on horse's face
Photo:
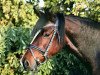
(44, 45)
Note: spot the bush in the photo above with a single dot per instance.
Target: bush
(64, 63)
(13, 40)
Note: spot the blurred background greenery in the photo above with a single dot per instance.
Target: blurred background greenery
(17, 19)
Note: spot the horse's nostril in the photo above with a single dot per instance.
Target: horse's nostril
(26, 64)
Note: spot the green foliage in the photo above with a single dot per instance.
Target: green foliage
(17, 12)
(14, 40)
(17, 38)
(83, 8)
(16, 22)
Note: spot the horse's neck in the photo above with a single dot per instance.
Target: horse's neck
(86, 37)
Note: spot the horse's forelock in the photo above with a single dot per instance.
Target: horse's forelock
(61, 25)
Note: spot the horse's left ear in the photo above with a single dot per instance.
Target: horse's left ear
(71, 45)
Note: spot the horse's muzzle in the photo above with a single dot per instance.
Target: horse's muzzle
(27, 66)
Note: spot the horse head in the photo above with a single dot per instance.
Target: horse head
(46, 42)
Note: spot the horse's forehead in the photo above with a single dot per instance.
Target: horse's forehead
(49, 26)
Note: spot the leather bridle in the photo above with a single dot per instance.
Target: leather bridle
(43, 52)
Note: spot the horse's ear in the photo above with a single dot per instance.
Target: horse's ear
(71, 45)
(41, 21)
(44, 12)
(44, 17)
(39, 13)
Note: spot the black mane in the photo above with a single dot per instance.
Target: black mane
(85, 21)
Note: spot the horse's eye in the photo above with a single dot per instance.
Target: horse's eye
(46, 35)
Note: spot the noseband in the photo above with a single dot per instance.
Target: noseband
(43, 52)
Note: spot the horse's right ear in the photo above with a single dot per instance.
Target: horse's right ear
(44, 12)
(39, 13)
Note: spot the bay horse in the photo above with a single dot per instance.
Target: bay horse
(81, 35)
